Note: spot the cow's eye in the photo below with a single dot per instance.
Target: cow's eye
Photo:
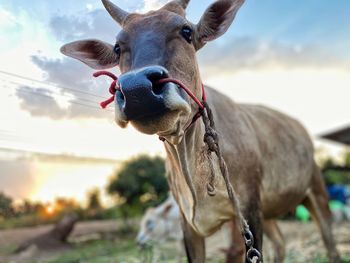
(186, 32)
(150, 225)
(116, 49)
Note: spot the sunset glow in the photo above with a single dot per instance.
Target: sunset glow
(69, 180)
(49, 210)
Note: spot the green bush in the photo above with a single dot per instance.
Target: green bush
(140, 183)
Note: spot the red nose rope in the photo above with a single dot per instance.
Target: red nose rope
(113, 88)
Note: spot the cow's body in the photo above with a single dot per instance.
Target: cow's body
(268, 154)
(265, 152)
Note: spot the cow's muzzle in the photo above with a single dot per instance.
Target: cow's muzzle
(140, 96)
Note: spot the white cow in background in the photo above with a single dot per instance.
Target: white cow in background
(159, 224)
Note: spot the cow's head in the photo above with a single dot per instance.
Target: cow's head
(159, 224)
(152, 46)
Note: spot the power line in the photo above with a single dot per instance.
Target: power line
(47, 96)
(57, 93)
(51, 84)
(13, 137)
(58, 156)
(51, 97)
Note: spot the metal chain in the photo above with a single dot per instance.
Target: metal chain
(212, 140)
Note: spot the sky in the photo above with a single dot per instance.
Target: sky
(293, 56)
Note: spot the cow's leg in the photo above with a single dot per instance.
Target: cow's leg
(194, 244)
(273, 232)
(317, 203)
(236, 252)
(253, 215)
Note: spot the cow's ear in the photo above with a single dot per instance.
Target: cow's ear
(216, 20)
(166, 210)
(95, 53)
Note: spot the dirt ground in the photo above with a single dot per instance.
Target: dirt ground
(303, 241)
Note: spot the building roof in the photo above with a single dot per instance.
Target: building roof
(341, 135)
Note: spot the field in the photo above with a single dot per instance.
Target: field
(110, 242)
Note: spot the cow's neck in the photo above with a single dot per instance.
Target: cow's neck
(184, 154)
(188, 157)
(192, 173)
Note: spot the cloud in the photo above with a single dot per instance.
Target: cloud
(66, 72)
(225, 55)
(152, 5)
(75, 79)
(254, 54)
(39, 102)
(42, 102)
(7, 19)
(232, 56)
(95, 24)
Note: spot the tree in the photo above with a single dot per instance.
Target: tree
(64, 205)
(347, 158)
(6, 208)
(94, 199)
(337, 173)
(140, 182)
(28, 207)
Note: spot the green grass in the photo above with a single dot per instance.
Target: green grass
(323, 259)
(7, 249)
(118, 251)
(297, 258)
(24, 221)
(125, 251)
(120, 247)
(101, 251)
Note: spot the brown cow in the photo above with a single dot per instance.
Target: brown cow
(269, 155)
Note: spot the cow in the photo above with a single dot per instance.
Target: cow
(269, 155)
(159, 224)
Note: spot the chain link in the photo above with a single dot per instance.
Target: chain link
(253, 255)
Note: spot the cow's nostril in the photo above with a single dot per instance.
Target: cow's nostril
(155, 73)
(157, 88)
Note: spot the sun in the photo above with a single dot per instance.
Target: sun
(49, 210)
